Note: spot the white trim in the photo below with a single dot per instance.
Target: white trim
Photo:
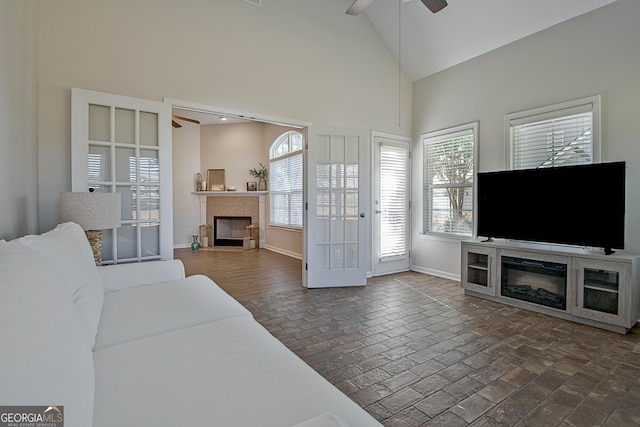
(553, 110)
(286, 227)
(372, 224)
(257, 117)
(283, 159)
(442, 237)
(435, 135)
(437, 273)
(283, 252)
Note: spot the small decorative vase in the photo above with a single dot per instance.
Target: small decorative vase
(195, 245)
(262, 185)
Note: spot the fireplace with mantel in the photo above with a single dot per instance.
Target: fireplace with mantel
(230, 230)
(250, 204)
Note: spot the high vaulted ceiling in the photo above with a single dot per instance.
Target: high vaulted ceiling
(465, 28)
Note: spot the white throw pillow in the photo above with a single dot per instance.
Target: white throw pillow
(67, 249)
(46, 356)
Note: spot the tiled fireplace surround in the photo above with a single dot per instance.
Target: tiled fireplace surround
(240, 204)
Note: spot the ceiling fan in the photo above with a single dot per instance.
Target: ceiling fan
(186, 119)
(360, 5)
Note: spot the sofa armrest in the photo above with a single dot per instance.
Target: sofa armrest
(125, 276)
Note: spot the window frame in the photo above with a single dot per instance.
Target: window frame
(555, 111)
(441, 135)
(282, 157)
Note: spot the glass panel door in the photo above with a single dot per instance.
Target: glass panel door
(391, 236)
(122, 144)
(336, 251)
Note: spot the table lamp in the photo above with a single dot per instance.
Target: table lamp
(94, 212)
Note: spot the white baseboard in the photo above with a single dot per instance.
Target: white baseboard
(284, 252)
(437, 273)
(182, 246)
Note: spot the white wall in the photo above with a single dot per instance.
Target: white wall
(597, 53)
(186, 163)
(301, 59)
(18, 118)
(236, 148)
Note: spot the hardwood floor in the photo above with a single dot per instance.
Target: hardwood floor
(413, 350)
(244, 274)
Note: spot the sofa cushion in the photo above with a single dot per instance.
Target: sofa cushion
(151, 310)
(118, 277)
(231, 372)
(67, 249)
(46, 355)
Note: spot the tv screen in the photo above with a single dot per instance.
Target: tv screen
(574, 205)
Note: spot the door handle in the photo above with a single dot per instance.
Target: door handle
(362, 215)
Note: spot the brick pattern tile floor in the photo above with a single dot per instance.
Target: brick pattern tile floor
(413, 350)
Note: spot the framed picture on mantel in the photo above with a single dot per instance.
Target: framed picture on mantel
(252, 186)
(216, 179)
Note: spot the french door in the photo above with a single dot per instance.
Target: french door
(336, 208)
(391, 235)
(123, 144)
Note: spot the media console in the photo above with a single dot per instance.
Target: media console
(571, 283)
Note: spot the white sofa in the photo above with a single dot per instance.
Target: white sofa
(141, 345)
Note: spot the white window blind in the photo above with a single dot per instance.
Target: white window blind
(393, 182)
(558, 135)
(285, 195)
(449, 164)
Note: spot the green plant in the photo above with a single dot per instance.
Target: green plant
(260, 173)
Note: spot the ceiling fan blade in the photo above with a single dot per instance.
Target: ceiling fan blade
(435, 5)
(186, 119)
(175, 124)
(358, 6)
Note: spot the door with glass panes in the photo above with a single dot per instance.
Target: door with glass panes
(391, 178)
(123, 144)
(336, 222)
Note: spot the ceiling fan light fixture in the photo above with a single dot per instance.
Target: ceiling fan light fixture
(358, 6)
(186, 119)
(435, 5)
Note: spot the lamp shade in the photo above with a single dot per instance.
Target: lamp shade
(92, 211)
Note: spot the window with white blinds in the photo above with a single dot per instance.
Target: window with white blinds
(564, 134)
(449, 165)
(393, 184)
(285, 193)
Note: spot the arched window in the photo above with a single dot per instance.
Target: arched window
(285, 193)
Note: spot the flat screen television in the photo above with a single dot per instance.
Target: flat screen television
(574, 205)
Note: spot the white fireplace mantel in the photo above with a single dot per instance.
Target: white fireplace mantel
(203, 195)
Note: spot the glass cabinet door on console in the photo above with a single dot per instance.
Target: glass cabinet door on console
(601, 293)
(478, 266)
